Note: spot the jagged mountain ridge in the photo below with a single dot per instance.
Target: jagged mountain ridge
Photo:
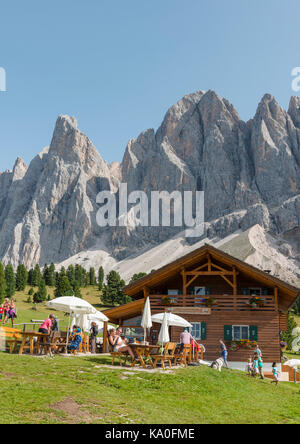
(248, 170)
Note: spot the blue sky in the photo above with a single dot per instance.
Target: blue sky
(117, 65)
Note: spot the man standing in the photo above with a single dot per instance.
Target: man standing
(185, 339)
(94, 333)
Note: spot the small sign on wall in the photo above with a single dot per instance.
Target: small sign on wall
(191, 310)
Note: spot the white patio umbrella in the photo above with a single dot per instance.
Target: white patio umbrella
(72, 306)
(85, 321)
(146, 319)
(163, 336)
(172, 320)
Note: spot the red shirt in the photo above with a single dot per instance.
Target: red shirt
(46, 324)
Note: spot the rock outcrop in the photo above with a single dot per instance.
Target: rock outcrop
(249, 171)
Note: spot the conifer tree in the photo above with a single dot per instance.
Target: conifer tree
(100, 278)
(92, 276)
(21, 278)
(37, 276)
(112, 291)
(63, 286)
(41, 294)
(10, 281)
(2, 284)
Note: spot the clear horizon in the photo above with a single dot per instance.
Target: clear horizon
(118, 67)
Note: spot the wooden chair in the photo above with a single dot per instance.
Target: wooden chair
(85, 344)
(115, 355)
(185, 356)
(166, 356)
(11, 337)
(48, 345)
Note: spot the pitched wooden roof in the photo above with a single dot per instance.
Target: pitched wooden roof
(191, 258)
(125, 311)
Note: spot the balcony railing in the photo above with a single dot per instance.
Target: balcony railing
(222, 302)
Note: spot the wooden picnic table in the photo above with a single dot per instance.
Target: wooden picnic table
(29, 336)
(143, 352)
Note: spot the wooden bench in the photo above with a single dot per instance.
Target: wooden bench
(116, 354)
(11, 337)
(185, 356)
(167, 356)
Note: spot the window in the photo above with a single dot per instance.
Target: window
(195, 330)
(240, 332)
(201, 291)
(133, 322)
(255, 291)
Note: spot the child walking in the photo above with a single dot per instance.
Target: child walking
(255, 366)
(260, 367)
(249, 367)
(275, 373)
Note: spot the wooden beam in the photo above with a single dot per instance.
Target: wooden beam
(191, 280)
(234, 289)
(105, 337)
(183, 285)
(227, 280)
(209, 262)
(209, 273)
(276, 298)
(219, 268)
(146, 292)
(200, 268)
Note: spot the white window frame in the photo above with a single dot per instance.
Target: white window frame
(240, 326)
(190, 330)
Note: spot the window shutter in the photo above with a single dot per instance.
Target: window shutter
(253, 333)
(207, 291)
(203, 330)
(180, 292)
(245, 291)
(228, 332)
(192, 290)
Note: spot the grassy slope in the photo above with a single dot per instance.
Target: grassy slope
(34, 384)
(30, 386)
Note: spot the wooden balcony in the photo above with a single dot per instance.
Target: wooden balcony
(222, 302)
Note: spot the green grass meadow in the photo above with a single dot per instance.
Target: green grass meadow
(80, 390)
(59, 389)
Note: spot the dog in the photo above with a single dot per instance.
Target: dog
(217, 364)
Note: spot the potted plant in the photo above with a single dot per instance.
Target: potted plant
(166, 300)
(283, 345)
(209, 302)
(256, 301)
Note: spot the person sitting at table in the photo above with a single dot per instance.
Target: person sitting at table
(120, 333)
(118, 344)
(75, 339)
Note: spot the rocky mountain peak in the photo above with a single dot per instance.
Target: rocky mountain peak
(250, 174)
(294, 110)
(20, 169)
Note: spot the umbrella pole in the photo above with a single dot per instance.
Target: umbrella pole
(68, 334)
